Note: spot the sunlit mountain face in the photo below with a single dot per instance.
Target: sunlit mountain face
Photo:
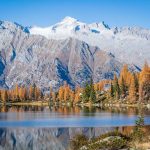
(69, 51)
(121, 42)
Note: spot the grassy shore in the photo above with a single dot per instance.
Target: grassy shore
(46, 103)
(126, 139)
(112, 105)
(32, 103)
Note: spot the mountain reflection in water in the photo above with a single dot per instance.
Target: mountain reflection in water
(50, 138)
(70, 116)
(41, 128)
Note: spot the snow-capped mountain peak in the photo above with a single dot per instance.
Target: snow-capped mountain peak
(70, 27)
(69, 20)
(11, 26)
(69, 50)
(122, 42)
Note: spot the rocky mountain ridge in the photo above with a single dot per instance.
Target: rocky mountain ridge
(26, 58)
(120, 41)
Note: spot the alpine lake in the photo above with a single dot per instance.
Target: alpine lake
(52, 128)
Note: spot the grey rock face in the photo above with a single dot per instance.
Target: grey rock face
(26, 59)
(44, 138)
(128, 44)
(30, 139)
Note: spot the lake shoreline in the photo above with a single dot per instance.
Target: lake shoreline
(36, 103)
(114, 105)
(46, 103)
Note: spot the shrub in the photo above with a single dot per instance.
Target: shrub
(78, 141)
(109, 143)
(138, 132)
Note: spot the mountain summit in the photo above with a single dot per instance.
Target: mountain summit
(69, 51)
(69, 20)
(121, 42)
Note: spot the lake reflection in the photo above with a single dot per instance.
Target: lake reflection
(69, 116)
(50, 138)
(52, 128)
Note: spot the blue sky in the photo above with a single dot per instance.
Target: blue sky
(48, 12)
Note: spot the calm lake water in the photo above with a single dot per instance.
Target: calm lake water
(70, 116)
(41, 128)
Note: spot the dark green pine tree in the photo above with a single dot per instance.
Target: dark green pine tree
(86, 93)
(111, 90)
(92, 92)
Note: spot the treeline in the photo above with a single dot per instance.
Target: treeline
(19, 94)
(64, 94)
(132, 87)
(89, 93)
